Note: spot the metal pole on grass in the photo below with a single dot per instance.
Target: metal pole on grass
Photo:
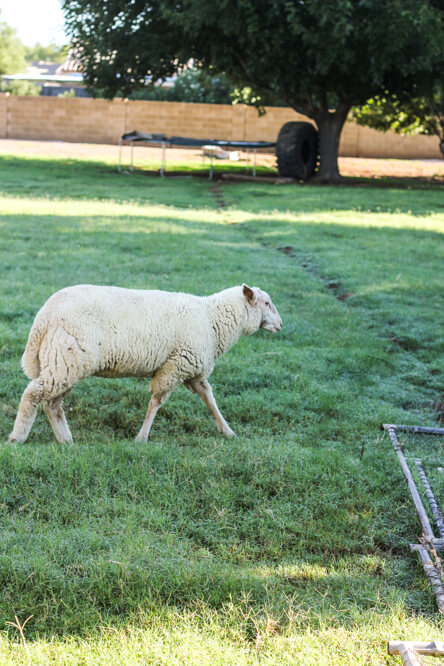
(119, 168)
(428, 543)
(427, 648)
(419, 506)
(432, 574)
(414, 428)
(434, 506)
(162, 160)
(408, 654)
(409, 651)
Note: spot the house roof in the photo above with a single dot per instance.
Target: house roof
(71, 64)
(51, 72)
(48, 78)
(69, 72)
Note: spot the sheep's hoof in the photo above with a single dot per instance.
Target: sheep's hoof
(228, 433)
(12, 439)
(66, 440)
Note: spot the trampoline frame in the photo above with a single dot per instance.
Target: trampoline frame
(164, 142)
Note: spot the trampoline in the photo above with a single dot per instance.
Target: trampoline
(164, 141)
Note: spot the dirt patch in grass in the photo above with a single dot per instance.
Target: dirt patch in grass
(364, 167)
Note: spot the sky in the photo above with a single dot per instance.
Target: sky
(35, 20)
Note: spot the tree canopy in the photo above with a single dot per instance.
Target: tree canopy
(416, 115)
(51, 53)
(12, 51)
(319, 58)
(20, 88)
(191, 85)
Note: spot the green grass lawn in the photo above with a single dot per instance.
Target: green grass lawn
(284, 545)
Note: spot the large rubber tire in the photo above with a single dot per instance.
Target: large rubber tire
(297, 150)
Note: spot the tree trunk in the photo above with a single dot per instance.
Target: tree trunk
(330, 126)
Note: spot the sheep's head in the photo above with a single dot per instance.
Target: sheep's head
(262, 303)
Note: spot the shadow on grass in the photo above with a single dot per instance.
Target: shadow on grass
(76, 179)
(82, 180)
(99, 531)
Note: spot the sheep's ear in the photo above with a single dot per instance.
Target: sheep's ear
(249, 294)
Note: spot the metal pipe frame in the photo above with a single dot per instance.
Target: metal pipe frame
(409, 651)
(165, 142)
(413, 428)
(119, 168)
(163, 159)
(428, 543)
(417, 501)
(432, 574)
(433, 504)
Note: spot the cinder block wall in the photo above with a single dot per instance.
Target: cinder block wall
(359, 141)
(3, 115)
(89, 120)
(64, 119)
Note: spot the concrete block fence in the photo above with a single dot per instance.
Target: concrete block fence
(88, 120)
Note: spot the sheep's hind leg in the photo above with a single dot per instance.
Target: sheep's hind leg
(57, 419)
(155, 404)
(31, 399)
(42, 390)
(204, 391)
(162, 385)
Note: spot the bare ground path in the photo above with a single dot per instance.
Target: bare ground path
(349, 166)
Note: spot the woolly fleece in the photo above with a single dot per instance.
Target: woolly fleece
(171, 337)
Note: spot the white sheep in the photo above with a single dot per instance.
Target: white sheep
(172, 338)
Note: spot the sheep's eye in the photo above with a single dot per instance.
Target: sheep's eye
(267, 303)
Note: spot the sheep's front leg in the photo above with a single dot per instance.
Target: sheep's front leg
(204, 391)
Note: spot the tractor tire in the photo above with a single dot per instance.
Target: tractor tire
(297, 150)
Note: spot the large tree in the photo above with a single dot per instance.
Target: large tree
(319, 57)
(415, 115)
(50, 53)
(12, 51)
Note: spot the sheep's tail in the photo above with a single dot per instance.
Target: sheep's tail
(30, 358)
